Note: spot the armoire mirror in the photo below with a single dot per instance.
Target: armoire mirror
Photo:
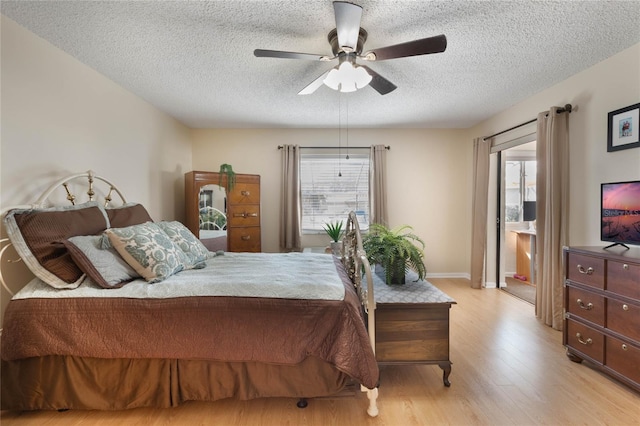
(212, 216)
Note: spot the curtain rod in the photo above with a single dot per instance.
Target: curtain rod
(335, 147)
(567, 108)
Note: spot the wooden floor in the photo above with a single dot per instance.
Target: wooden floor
(508, 369)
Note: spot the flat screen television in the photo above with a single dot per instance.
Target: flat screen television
(620, 213)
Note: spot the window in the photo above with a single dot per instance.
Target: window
(326, 196)
(520, 186)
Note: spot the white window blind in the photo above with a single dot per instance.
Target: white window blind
(328, 197)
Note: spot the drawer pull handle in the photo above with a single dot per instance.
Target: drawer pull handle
(624, 347)
(588, 306)
(584, 342)
(587, 271)
(245, 215)
(245, 193)
(625, 267)
(246, 237)
(625, 307)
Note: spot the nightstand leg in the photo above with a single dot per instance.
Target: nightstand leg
(446, 370)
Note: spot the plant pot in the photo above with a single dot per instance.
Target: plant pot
(397, 274)
(336, 248)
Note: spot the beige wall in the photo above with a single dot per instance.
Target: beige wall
(609, 85)
(60, 116)
(427, 181)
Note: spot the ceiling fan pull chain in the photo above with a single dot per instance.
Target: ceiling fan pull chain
(339, 133)
(347, 105)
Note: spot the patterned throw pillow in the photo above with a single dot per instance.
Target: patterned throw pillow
(148, 250)
(190, 245)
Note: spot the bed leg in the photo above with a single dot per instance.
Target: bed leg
(302, 403)
(372, 394)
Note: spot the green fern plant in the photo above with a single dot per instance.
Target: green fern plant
(395, 250)
(227, 170)
(334, 230)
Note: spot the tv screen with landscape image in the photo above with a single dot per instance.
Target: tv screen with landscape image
(620, 212)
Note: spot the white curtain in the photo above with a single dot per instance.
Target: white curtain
(378, 185)
(290, 200)
(481, 152)
(552, 212)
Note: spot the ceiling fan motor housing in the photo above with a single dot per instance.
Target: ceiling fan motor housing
(335, 46)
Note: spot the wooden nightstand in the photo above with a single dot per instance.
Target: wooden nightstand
(412, 324)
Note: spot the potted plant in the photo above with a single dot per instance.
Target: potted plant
(227, 170)
(395, 251)
(334, 230)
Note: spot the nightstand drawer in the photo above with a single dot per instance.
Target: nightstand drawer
(587, 270)
(406, 334)
(586, 305)
(586, 340)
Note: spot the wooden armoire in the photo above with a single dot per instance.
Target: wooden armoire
(241, 207)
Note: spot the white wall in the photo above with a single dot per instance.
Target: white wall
(60, 116)
(427, 181)
(607, 86)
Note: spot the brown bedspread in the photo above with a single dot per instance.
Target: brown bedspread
(278, 331)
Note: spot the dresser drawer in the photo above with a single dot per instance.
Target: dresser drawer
(244, 239)
(623, 279)
(243, 215)
(586, 340)
(623, 358)
(586, 305)
(245, 193)
(586, 270)
(623, 318)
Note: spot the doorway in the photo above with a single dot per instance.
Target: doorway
(516, 234)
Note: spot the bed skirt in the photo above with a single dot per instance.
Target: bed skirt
(67, 382)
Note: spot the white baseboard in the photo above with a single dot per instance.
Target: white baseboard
(449, 275)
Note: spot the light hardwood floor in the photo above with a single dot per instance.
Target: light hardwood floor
(508, 369)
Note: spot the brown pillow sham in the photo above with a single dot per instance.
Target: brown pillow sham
(38, 236)
(128, 215)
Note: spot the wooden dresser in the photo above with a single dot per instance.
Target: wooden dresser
(241, 207)
(602, 309)
(412, 324)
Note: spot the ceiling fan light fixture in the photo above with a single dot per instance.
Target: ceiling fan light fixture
(347, 78)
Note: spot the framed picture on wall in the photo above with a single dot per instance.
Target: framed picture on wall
(624, 128)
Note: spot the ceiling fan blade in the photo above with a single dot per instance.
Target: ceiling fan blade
(423, 46)
(348, 16)
(379, 83)
(314, 85)
(262, 53)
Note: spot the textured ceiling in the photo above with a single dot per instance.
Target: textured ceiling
(194, 59)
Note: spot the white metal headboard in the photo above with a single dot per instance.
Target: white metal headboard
(43, 201)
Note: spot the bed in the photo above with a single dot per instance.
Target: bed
(125, 312)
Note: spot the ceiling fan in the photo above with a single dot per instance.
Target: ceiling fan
(347, 41)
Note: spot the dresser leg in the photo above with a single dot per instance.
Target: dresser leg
(446, 370)
(573, 357)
